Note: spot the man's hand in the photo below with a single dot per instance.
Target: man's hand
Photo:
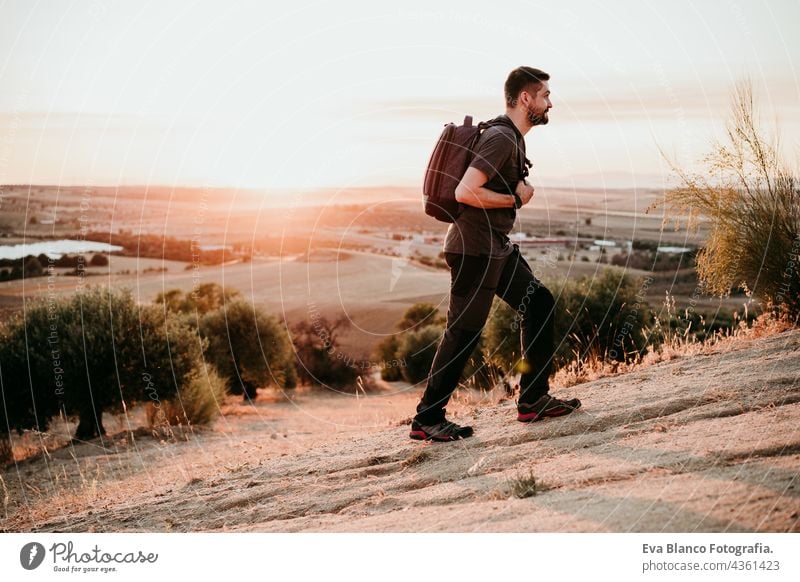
(524, 191)
(471, 191)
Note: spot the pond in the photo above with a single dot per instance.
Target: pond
(55, 248)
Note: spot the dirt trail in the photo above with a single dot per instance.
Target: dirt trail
(697, 444)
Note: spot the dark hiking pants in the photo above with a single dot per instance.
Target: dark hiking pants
(474, 281)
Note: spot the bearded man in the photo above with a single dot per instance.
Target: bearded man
(483, 263)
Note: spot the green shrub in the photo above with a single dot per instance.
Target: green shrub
(90, 353)
(420, 315)
(650, 261)
(99, 260)
(33, 268)
(248, 347)
(501, 341)
(606, 314)
(320, 361)
(204, 299)
(417, 349)
(289, 374)
(29, 393)
(197, 402)
(71, 261)
(386, 352)
(409, 354)
(389, 351)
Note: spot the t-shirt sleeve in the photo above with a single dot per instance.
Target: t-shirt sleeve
(493, 152)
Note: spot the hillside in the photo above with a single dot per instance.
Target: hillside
(696, 444)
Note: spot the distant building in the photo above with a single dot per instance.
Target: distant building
(524, 240)
(602, 244)
(673, 250)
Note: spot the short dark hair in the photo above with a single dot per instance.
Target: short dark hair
(521, 79)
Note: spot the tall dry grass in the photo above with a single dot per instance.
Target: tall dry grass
(678, 344)
(750, 197)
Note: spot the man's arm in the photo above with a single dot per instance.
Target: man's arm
(470, 191)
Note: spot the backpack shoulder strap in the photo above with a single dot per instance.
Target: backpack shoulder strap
(524, 162)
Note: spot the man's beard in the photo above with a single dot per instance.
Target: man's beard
(537, 118)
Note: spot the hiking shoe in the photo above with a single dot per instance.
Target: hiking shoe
(441, 431)
(546, 406)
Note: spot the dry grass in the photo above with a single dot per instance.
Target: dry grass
(197, 402)
(524, 485)
(416, 457)
(33, 443)
(6, 450)
(774, 320)
(123, 429)
(749, 195)
(6, 496)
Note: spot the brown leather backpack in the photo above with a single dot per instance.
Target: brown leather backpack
(449, 161)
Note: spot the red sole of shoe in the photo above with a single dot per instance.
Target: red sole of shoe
(534, 416)
(528, 417)
(419, 435)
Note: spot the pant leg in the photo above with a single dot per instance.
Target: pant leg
(474, 282)
(535, 307)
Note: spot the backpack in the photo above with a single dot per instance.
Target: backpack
(449, 161)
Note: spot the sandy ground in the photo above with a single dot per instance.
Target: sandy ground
(697, 444)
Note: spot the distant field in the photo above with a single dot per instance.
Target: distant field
(219, 216)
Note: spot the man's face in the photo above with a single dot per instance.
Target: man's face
(537, 104)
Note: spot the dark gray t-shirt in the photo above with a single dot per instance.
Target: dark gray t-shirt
(479, 231)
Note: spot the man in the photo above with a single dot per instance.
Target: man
(483, 262)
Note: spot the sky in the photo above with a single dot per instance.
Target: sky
(309, 94)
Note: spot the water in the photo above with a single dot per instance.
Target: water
(214, 247)
(56, 248)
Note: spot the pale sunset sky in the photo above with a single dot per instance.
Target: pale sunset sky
(308, 94)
